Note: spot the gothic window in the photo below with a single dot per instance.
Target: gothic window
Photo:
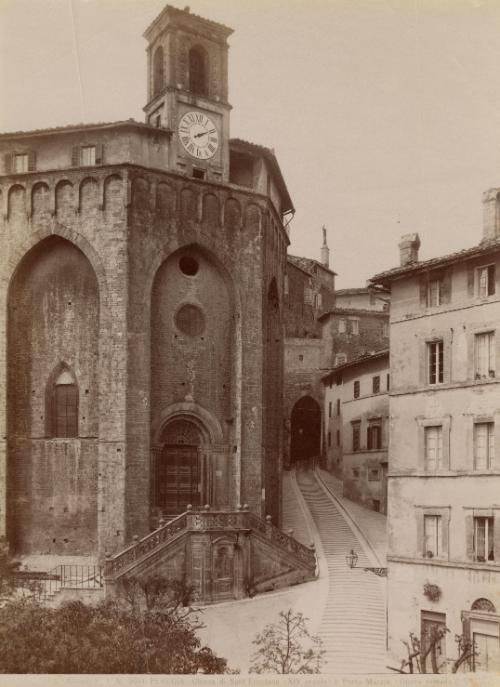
(64, 406)
(198, 71)
(158, 79)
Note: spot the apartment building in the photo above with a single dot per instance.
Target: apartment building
(357, 427)
(444, 455)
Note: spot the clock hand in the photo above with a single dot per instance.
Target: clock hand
(203, 133)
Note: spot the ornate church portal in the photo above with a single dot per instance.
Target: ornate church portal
(181, 472)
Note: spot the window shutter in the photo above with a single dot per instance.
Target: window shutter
(446, 287)
(470, 281)
(496, 536)
(7, 160)
(469, 536)
(31, 161)
(491, 280)
(420, 533)
(99, 154)
(423, 292)
(75, 156)
(467, 636)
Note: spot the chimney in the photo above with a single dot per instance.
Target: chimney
(491, 214)
(408, 249)
(325, 251)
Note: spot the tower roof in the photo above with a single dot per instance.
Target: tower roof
(173, 16)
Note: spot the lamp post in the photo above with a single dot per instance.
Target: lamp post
(352, 559)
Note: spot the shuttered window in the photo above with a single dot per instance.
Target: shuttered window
(483, 539)
(486, 281)
(87, 155)
(435, 293)
(484, 445)
(485, 355)
(65, 418)
(435, 358)
(21, 163)
(374, 436)
(356, 435)
(432, 536)
(433, 440)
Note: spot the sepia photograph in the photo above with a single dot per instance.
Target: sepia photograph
(249, 301)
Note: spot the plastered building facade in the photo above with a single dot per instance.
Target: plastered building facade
(444, 478)
(141, 289)
(356, 410)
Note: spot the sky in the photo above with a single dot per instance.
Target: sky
(384, 114)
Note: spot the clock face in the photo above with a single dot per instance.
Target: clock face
(198, 135)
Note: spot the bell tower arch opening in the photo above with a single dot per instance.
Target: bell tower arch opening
(305, 441)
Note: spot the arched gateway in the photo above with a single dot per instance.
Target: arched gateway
(305, 429)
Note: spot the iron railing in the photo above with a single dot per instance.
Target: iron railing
(205, 519)
(46, 584)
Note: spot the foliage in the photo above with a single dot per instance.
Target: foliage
(419, 651)
(13, 581)
(287, 647)
(156, 636)
(432, 591)
(8, 572)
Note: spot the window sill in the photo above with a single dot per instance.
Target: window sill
(464, 384)
(446, 563)
(447, 473)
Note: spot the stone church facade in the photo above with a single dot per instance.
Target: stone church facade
(141, 289)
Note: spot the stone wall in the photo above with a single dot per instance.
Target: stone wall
(130, 228)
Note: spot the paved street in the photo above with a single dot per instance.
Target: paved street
(345, 607)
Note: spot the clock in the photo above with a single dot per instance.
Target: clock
(198, 135)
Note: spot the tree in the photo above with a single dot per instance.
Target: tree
(149, 636)
(287, 647)
(9, 569)
(424, 653)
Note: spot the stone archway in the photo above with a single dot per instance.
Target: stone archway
(53, 399)
(305, 430)
(183, 466)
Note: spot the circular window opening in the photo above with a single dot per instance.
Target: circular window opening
(188, 265)
(190, 320)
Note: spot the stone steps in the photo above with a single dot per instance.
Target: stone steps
(353, 623)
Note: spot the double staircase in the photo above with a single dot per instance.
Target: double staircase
(221, 555)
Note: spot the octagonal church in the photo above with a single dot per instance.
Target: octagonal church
(141, 343)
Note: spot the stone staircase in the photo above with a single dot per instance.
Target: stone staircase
(353, 626)
(221, 555)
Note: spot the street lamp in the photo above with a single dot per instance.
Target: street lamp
(352, 559)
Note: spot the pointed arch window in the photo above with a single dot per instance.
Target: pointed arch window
(198, 71)
(64, 410)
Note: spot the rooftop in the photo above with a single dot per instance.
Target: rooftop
(354, 311)
(360, 290)
(365, 357)
(308, 264)
(70, 128)
(269, 155)
(183, 15)
(485, 247)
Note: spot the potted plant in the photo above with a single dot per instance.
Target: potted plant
(432, 591)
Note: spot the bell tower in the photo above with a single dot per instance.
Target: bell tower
(188, 91)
